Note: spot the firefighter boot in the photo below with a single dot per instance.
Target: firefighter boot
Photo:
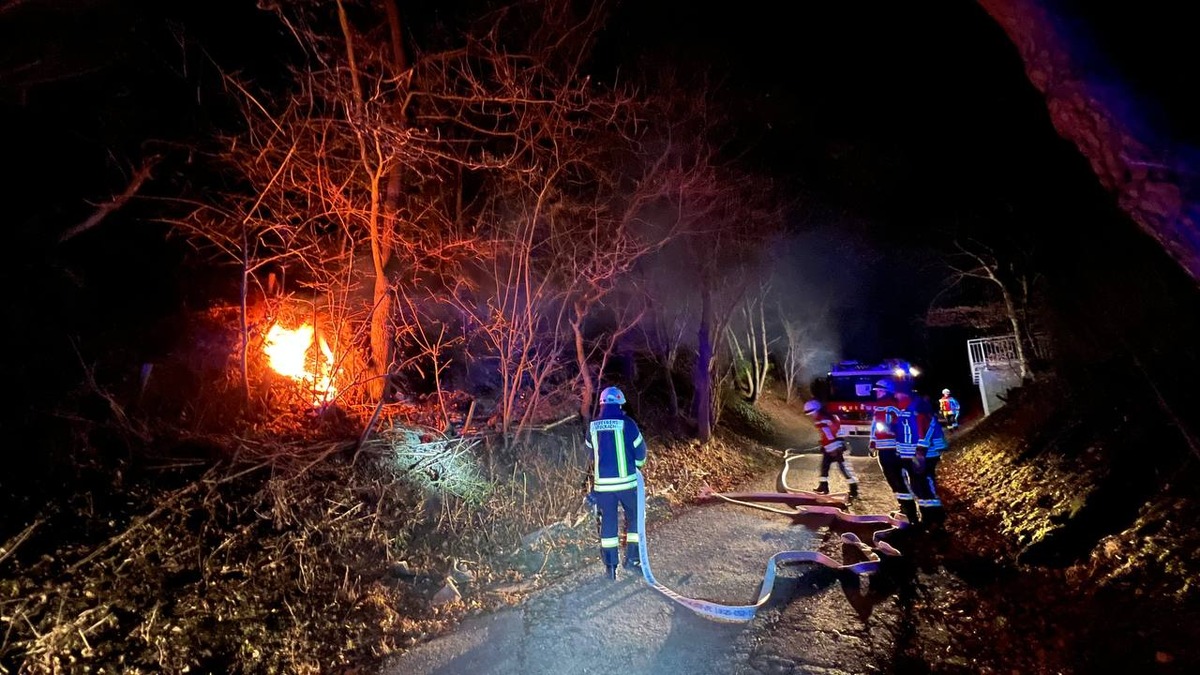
(633, 560)
(854, 489)
(610, 572)
(934, 517)
(822, 488)
(909, 508)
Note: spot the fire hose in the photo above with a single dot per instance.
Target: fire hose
(806, 508)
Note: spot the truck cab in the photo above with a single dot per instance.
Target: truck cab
(850, 394)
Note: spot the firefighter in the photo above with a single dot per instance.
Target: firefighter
(883, 445)
(920, 442)
(832, 446)
(618, 453)
(949, 408)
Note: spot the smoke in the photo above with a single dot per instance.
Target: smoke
(822, 282)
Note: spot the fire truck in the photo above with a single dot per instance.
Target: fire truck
(850, 396)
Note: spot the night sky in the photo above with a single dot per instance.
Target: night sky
(897, 123)
(893, 123)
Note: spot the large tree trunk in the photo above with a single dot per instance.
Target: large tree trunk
(1150, 183)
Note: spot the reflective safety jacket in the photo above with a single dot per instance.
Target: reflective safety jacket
(917, 427)
(829, 426)
(949, 404)
(618, 450)
(883, 435)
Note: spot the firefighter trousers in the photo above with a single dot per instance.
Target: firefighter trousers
(893, 471)
(828, 459)
(610, 532)
(924, 488)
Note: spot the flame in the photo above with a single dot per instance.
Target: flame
(290, 353)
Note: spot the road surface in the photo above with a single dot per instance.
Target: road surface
(817, 620)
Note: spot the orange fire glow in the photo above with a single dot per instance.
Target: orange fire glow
(291, 354)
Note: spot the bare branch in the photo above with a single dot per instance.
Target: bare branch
(139, 177)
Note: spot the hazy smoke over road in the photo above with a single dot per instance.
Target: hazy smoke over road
(821, 280)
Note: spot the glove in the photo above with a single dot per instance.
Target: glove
(918, 463)
(871, 449)
(590, 499)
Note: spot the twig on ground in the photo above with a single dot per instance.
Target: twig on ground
(21, 537)
(137, 523)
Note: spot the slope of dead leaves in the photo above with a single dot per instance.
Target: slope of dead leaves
(1072, 513)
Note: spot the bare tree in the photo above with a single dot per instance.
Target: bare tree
(636, 212)
(800, 348)
(665, 331)
(494, 177)
(434, 339)
(736, 220)
(751, 328)
(554, 153)
(974, 260)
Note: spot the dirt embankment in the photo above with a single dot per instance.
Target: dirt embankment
(1082, 497)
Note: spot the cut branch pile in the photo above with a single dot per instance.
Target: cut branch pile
(438, 464)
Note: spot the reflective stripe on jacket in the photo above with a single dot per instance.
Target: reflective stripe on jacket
(917, 427)
(830, 430)
(618, 450)
(882, 433)
(948, 404)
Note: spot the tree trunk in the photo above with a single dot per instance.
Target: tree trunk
(1013, 319)
(245, 326)
(380, 249)
(672, 394)
(588, 388)
(381, 334)
(703, 373)
(761, 361)
(739, 358)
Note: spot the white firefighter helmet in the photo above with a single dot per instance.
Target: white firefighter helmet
(945, 392)
(612, 396)
(812, 407)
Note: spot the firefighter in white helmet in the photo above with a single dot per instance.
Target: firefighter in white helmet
(883, 444)
(948, 406)
(832, 446)
(920, 442)
(618, 453)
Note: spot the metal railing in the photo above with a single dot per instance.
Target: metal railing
(991, 352)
